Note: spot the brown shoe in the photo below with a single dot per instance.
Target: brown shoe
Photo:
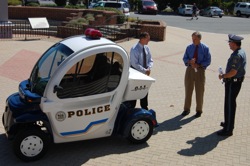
(184, 113)
(198, 114)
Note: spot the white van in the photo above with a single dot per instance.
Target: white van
(242, 8)
(122, 6)
(93, 2)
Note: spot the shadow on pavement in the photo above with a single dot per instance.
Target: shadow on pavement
(202, 145)
(174, 123)
(74, 153)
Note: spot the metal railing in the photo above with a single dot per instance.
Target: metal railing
(22, 30)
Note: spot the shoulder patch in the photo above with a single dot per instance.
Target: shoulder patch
(236, 59)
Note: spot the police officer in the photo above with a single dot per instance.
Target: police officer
(233, 78)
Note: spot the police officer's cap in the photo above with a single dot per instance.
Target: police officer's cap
(234, 38)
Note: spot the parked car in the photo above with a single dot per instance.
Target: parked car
(147, 6)
(185, 9)
(242, 8)
(212, 11)
(122, 6)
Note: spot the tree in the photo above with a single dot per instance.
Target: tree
(60, 2)
(73, 2)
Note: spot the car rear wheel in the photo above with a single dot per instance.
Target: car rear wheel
(31, 145)
(140, 131)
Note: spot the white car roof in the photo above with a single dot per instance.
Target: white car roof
(77, 43)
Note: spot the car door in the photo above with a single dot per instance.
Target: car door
(82, 98)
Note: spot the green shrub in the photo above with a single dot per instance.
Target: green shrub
(14, 2)
(49, 5)
(132, 19)
(32, 4)
(228, 7)
(121, 18)
(75, 6)
(79, 21)
(82, 21)
(89, 16)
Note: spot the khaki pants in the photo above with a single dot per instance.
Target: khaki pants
(197, 80)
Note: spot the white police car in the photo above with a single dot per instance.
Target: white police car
(77, 91)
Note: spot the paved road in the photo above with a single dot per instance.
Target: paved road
(224, 25)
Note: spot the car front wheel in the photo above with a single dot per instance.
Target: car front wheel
(31, 145)
(238, 14)
(140, 131)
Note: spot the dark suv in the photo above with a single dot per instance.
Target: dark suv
(147, 6)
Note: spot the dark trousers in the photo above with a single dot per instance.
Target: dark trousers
(232, 90)
(143, 103)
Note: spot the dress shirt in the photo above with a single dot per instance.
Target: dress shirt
(238, 62)
(204, 56)
(136, 57)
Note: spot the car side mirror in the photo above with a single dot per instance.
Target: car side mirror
(57, 88)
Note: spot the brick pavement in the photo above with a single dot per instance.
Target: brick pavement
(178, 140)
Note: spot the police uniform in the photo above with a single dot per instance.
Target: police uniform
(236, 61)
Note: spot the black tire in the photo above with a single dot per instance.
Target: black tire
(3, 120)
(140, 131)
(31, 145)
(238, 14)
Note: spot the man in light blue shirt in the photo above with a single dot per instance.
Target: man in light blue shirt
(141, 60)
(197, 58)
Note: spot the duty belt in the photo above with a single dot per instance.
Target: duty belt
(233, 79)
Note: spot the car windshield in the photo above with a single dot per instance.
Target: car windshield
(46, 66)
(215, 8)
(148, 3)
(113, 5)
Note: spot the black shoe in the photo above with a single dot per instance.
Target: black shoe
(224, 133)
(184, 113)
(198, 114)
(197, 18)
(222, 124)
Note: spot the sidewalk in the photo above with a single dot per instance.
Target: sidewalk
(178, 140)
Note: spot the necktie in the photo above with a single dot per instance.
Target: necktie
(196, 53)
(144, 59)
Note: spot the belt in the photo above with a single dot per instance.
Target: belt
(233, 79)
(201, 67)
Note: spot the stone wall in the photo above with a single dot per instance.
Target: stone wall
(156, 29)
(53, 13)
